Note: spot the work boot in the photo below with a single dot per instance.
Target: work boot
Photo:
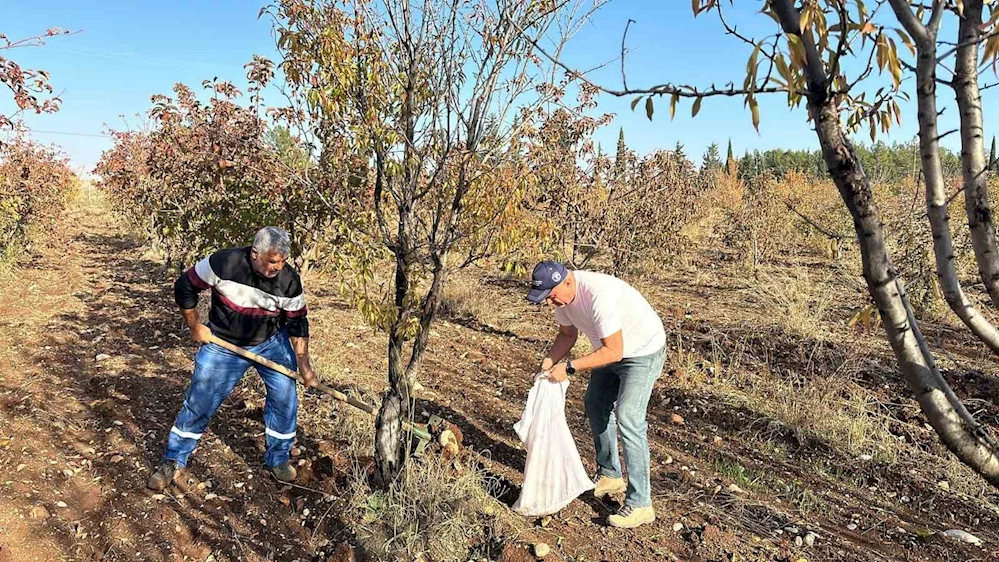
(283, 472)
(163, 476)
(605, 486)
(629, 517)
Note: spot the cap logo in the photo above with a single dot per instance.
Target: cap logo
(556, 276)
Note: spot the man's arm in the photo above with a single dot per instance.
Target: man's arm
(186, 291)
(199, 332)
(611, 351)
(301, 347)
(566, 338)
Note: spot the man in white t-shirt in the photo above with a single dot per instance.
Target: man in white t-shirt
(629, 345)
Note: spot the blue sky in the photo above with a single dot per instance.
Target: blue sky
(127, 51)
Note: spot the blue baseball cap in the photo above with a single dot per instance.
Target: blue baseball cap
(547, 275)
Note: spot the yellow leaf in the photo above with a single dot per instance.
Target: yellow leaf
(697, 107)
(672, 105)
(755, 111)
(907, 40)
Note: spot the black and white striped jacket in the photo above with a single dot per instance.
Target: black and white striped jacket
(247, 308)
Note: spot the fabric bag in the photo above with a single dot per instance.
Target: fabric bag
(553, 474)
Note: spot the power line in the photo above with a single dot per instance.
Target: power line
(69, 133)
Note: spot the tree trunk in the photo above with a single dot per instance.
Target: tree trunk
(390, 449)
(936, 196)
(952, 422)
(973, 165)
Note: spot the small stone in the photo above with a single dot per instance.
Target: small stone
(668, 459)
(676, 419)
(67, 473)
(301, 462)
(716, 439)
(541, 550)
(900, 530)
(39, 512)
(118, 422)
(810, 539)
(677, 527)
(865, 457)
(735, 489)
(201, 485)
(263, 522)
(102, 357)
(158, 497)
(20, 467)
(239, 485)
(546, 520)
(798, 541)
(944, 485)
(117, 458)
(296, 452)
(852, 526)
(791, 529)
(211, 496)
(305, 512)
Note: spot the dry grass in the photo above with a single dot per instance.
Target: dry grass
(436, 511)
(433, 512)
(798, 302)
(465, 297)
(828, 409)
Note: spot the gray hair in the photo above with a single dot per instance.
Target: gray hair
(272, 239)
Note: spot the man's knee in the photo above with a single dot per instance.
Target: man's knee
(631, 422)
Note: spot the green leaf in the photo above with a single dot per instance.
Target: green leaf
(648, 107)
(634, 102)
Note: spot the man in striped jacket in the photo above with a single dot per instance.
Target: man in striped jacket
(257, 303)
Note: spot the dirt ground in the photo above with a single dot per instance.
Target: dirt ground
(95, 361)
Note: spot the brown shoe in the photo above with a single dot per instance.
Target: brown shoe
(283, 472)
(163, 476)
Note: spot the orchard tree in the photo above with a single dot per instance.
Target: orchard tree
(805, 59)
(434, 100)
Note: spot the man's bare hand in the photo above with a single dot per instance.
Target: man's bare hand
(201, 333)
(557, 373)
(547, 364)
(309, 376)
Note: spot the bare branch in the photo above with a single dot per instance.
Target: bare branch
(624, 38)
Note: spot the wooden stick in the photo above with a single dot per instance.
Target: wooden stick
(420, 433)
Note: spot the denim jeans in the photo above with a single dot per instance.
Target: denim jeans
(216, 372)
(618, 397)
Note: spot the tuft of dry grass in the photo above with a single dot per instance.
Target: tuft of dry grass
(437, 510)
(433, 512)
(465, 297)
(797, 303)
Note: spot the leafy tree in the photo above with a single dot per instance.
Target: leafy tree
(804, 60)
(435, 104)
(711, 160)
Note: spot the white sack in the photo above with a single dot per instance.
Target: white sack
(553, 474)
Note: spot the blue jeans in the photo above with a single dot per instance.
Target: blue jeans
(627, 385)
(216, 372)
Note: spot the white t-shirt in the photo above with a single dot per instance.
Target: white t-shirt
(605, 304)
